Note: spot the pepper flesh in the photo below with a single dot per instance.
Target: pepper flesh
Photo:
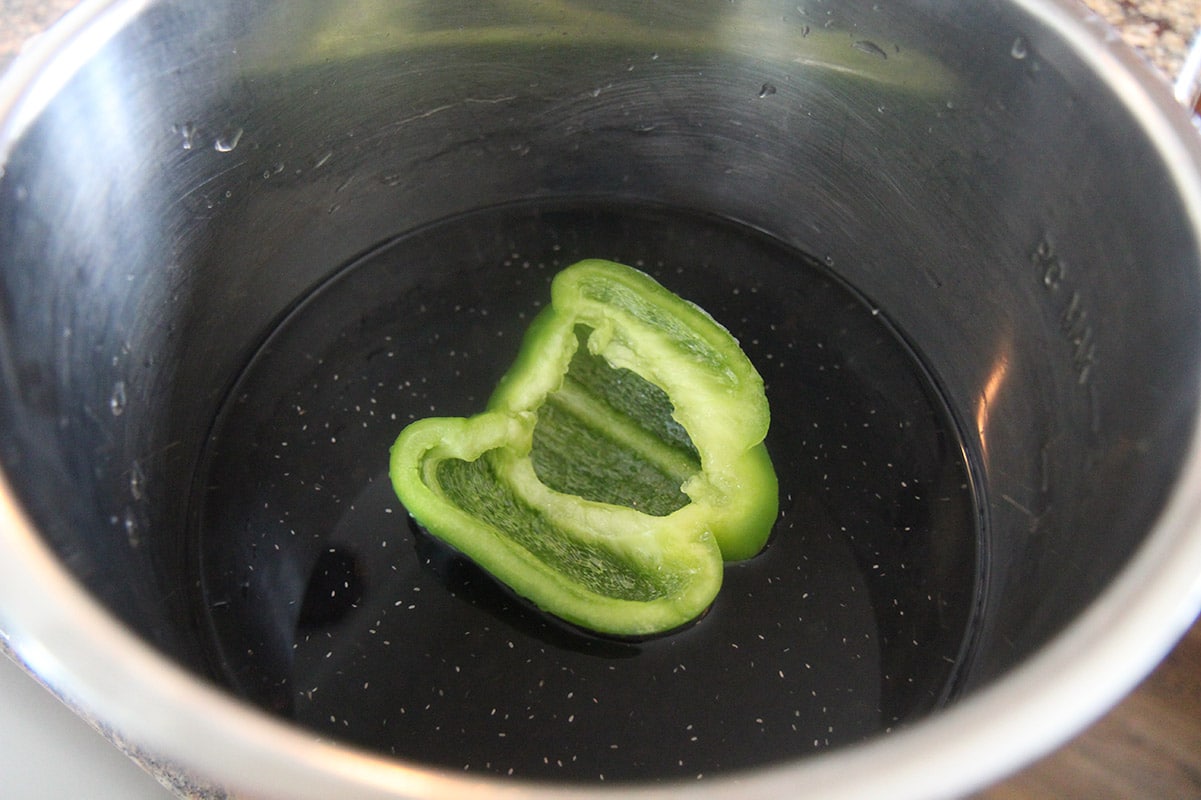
(619, 462)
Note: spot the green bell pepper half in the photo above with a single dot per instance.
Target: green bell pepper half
(618, 464)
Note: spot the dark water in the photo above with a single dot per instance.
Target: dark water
(328, 606)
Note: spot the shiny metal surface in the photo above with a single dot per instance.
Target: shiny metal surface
(1020, 197)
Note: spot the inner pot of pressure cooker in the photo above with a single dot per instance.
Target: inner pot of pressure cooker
(243, 250)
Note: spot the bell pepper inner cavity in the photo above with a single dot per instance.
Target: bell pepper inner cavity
(618, 464)
(607, 435)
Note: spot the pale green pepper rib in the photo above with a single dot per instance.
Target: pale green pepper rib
(619, 462)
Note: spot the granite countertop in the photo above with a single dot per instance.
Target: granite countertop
(1161, 30)
(21, 19)
(1150, 745)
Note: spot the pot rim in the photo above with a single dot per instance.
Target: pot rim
(91, 660)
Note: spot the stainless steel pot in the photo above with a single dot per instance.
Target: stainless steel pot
(1020, 198)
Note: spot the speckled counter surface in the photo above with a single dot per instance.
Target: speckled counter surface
(1161, 30)
(21, 19)
(1150, 745)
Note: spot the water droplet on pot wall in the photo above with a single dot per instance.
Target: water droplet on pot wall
(117, 402)
(871, 48)
(130, 523)
(187, 133)
(227, 142)
(137, 481)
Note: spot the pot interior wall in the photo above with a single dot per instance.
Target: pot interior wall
(213, 163)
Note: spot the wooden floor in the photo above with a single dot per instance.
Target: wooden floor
(1149, 747)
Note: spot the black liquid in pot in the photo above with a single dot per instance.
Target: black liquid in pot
(328, 606)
